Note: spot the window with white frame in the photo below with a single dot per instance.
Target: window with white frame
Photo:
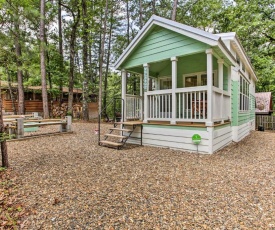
(165, 83)
(198, 79)
(244, 94)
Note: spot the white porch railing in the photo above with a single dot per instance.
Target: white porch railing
(159, 105)
(133, 106)
(191, 104)
(221, 104)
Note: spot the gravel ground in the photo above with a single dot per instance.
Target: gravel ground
(69, 182)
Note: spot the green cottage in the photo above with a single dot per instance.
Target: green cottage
(192, 82)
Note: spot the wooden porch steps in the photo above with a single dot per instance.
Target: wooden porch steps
(111, 143)
(118, 140)
(122, 130)
(117, 136)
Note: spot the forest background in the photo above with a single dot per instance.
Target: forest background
(74, 43)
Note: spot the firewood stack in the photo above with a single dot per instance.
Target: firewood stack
(61, 111)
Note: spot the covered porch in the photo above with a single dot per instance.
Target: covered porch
(191, 88)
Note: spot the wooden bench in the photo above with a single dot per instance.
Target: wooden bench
(17, 127)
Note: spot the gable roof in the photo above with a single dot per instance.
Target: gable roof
(263, 103)
(235, 42)
(197, 34)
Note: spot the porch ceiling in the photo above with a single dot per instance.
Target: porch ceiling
(155, 68)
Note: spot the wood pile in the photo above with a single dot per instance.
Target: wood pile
(61, 111)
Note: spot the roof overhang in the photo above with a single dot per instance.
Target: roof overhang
(235, 42)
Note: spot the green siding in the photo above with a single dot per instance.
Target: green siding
(186, 65)
(240, 117)
(234, 102)
(252, 107)
(162, 44)
(243, 117)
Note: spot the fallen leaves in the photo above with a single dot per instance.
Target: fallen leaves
(69, 182)
(11, 210)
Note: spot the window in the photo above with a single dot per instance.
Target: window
(244, 94)
(165, 83)
(199, 79)
(191, 81)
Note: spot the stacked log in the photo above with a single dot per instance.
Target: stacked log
(60, 111)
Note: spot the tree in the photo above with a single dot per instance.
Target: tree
(42, 59)
(174, 11)
(74, 10)
(101, 57)
(85, 61)
(108, 58)
(60, 46)
(18, 51)
(4, 150)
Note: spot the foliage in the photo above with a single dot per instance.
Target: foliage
(253, 21)
(5, 136)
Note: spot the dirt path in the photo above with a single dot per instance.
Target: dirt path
(68, 182)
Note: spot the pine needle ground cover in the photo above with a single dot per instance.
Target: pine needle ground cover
(69, 182)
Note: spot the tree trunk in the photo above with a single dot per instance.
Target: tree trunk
(85, 62)
(154, 6)
(4, 150)
(140, 15)
(60, 45)
(72, 56)
(108, 62)
(174, 12)
(101, 58)
(11, 94)
(128, 22)
(42, 60)
(49, 72)
(21, 99)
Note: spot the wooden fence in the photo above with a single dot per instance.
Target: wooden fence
(37, 106)
(268, 122)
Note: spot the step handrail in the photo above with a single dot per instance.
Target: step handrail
(104, 109)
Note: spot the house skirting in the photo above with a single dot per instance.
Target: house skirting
(180, 137)
(241, 131)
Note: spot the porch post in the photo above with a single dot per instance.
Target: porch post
(141, 95)
(220, 66)
(174, 86)
(209, 58)
(145, 88)
(123, 92)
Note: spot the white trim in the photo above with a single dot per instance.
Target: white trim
(209, 66)
(123, 92)
(234, 40)
(228, 54)
(141, 95)
(174, 61)
(191, 89)
(220, 70)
